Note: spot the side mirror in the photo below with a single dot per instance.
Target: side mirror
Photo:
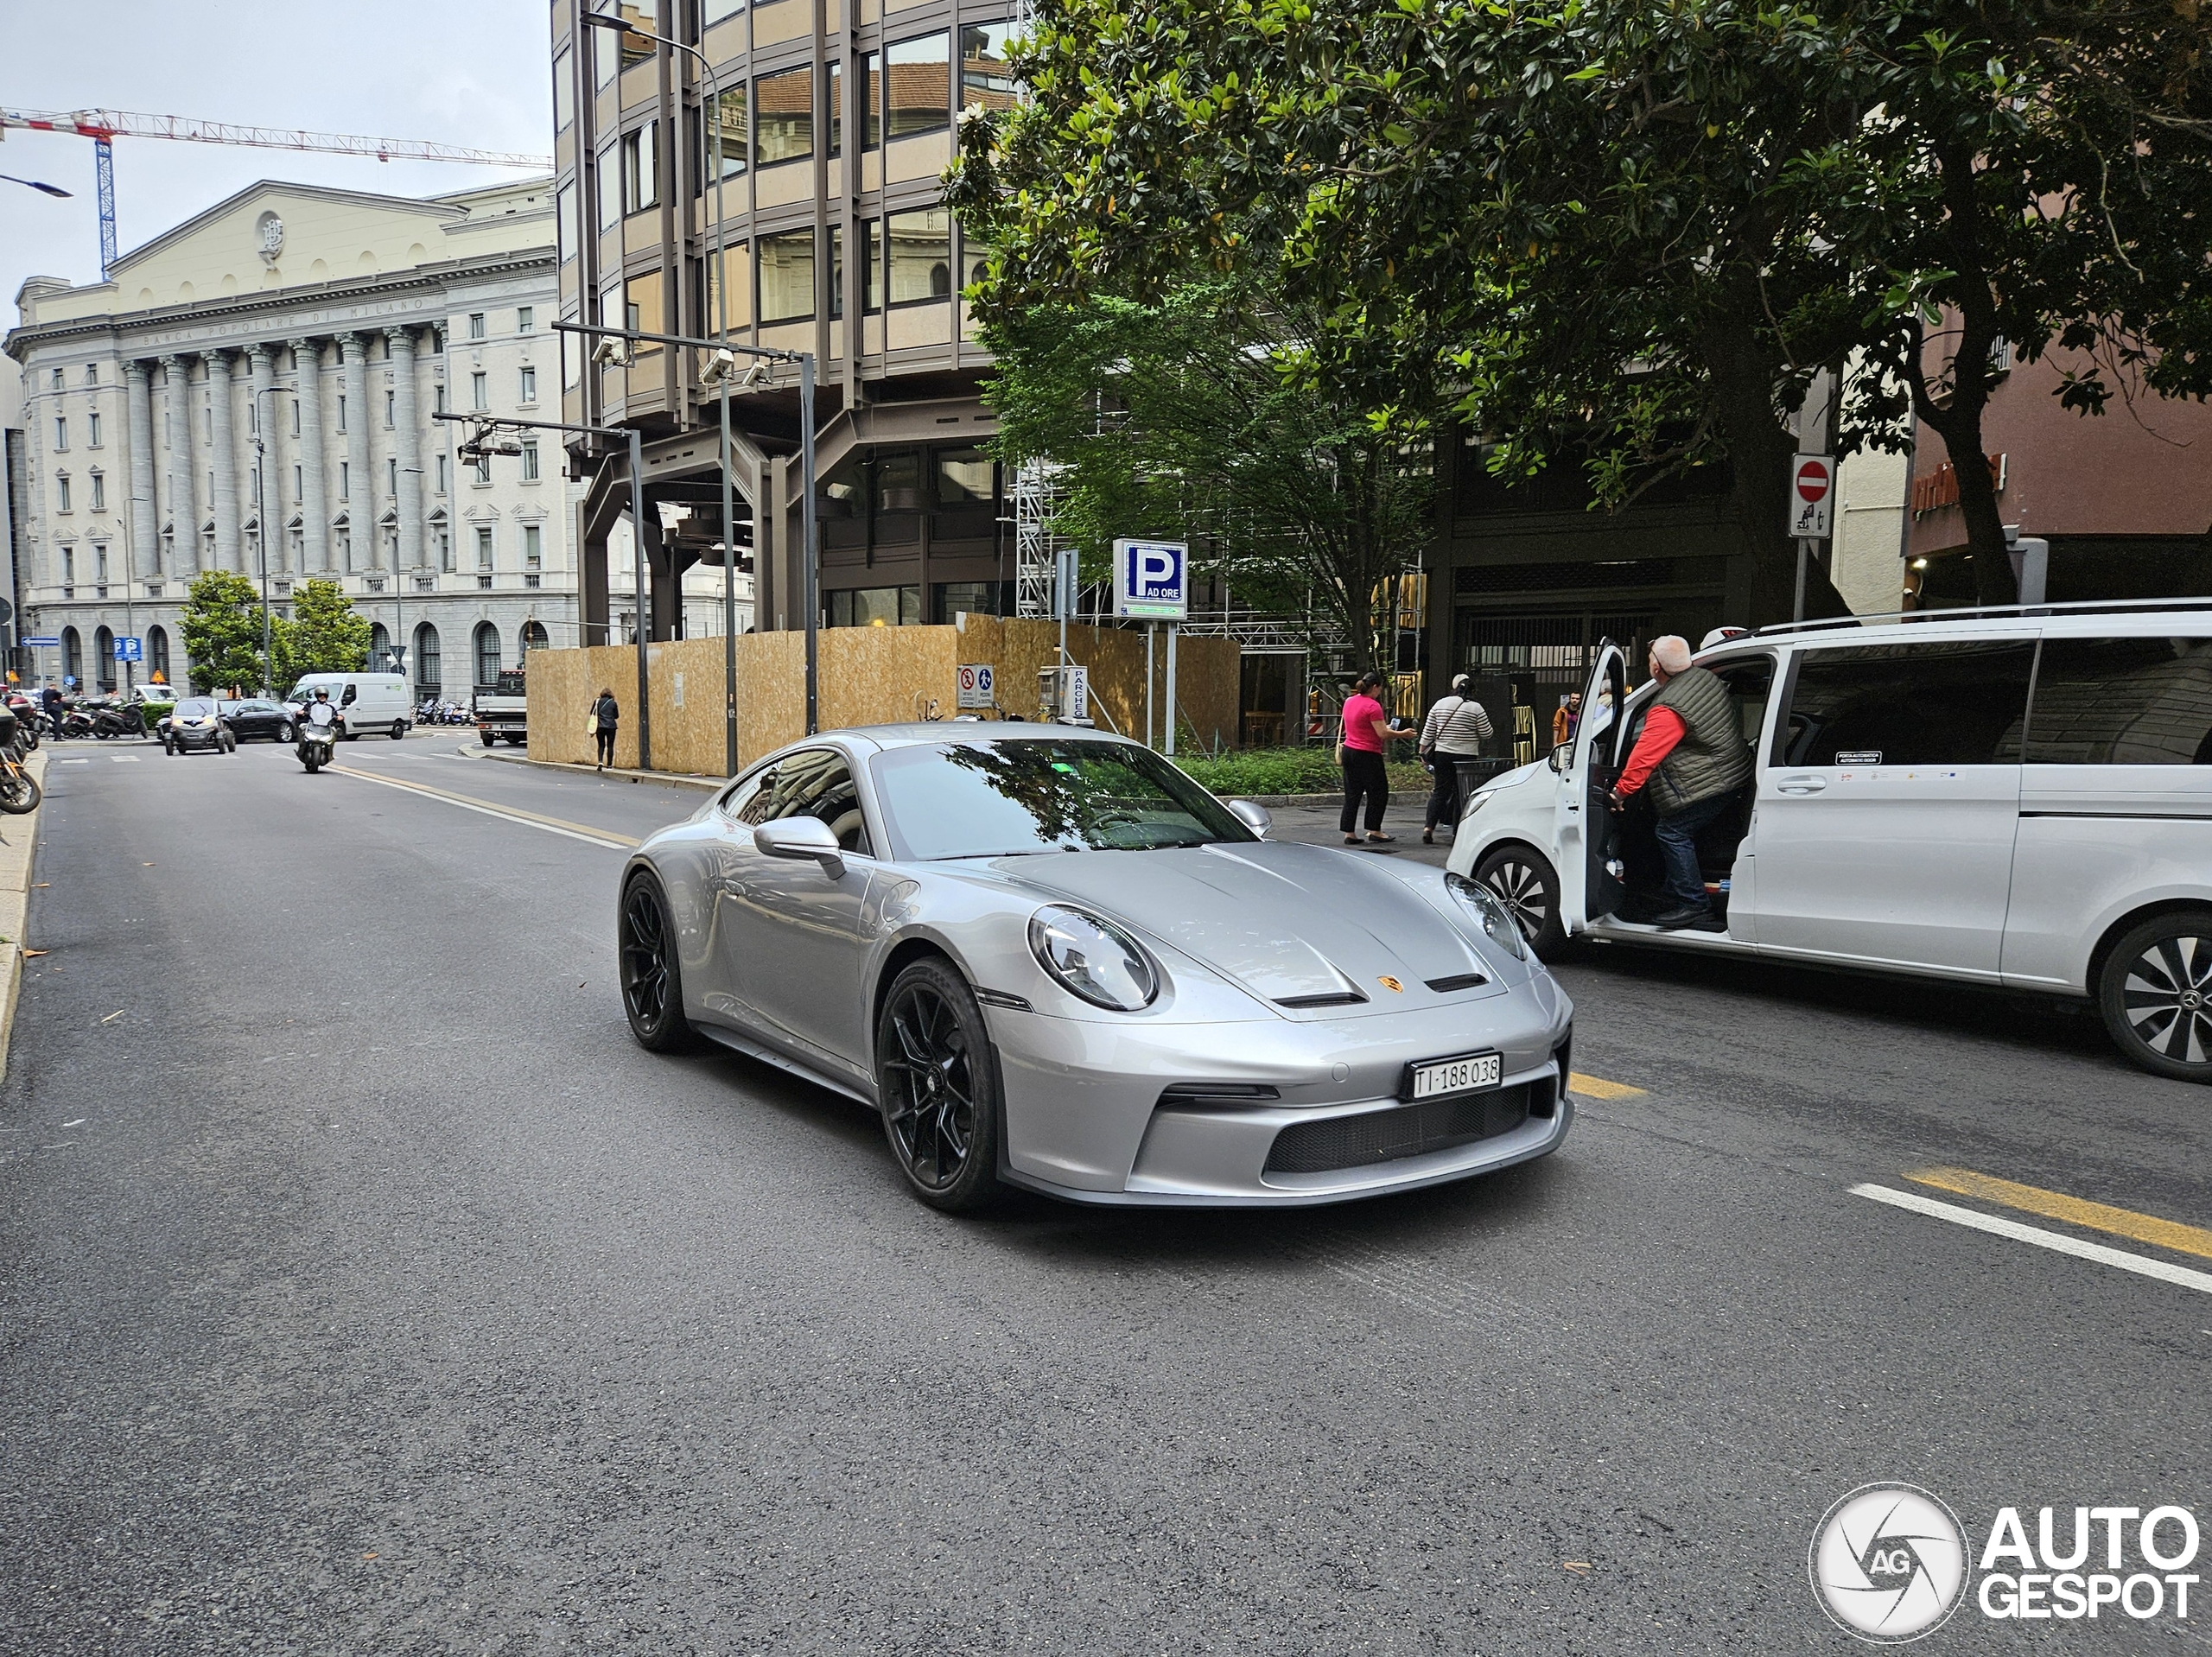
(1562, 757)
(1253, 815)
(801, 837)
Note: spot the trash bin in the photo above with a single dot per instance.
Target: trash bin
(1472, 774)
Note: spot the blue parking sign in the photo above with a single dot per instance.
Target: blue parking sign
(129, 650)
(1152, 578)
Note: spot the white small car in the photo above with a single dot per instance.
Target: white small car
(2013, 797)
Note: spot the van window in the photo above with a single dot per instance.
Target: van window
(2122, 701)
(1934, 704)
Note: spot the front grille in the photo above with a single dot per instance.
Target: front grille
(1407, 1131)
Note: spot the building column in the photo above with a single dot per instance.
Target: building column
(145, 522)
(223, 442)
(315, 499)
(407, 444)
(263, 422)
(361, 485)
(184, 512)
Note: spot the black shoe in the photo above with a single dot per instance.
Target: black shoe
(1691, 917)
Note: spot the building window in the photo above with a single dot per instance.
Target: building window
(483, 546)
(525, 319)
(735, 137)
(836, 110)
(157, 651)
(100, 568)
(870, 88)
(68, 566)
(299, 484)
(528, 385)
(445, 549)
(921, 256)
(442, 474)
(73, 649)
(92, 429)
(61, 491)
(483, 468)
(391, 476)
(608, 185)
(342, 411)
(390, 409)
(715, 11)
(345, 480)
(92, 373)
(529, 460)
(564, 96)
(564, 222)
(487, 654)
(737, 260)
(837, 271)
(641, 309)
(920, 85)
(57, 379)
(60, 432)
(872, 277)
(476, 325)
(438, 396)
(99, 492)
(975, 259)
(986, 78)
(295, 416)
(479, 390)
(787, 277)
(345, 550)
(640, 169)
(428, 672)
(533, 547)
(875, 606)
(783, 116)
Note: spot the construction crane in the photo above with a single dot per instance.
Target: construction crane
(102, 127)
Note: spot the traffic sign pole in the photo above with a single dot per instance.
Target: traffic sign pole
(1811, 514)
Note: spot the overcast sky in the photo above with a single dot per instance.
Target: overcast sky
(476, 74)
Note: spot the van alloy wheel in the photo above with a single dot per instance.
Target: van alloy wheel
(1528, 887)
(2155, 993)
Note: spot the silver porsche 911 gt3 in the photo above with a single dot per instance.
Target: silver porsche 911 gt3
(1051, 959)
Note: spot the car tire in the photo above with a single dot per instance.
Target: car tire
(651, 974)
(938, 1079)
(517, 741)
(2155, 990)
(285, 733)
(489, 738)
(400, 730)
(1527, 884)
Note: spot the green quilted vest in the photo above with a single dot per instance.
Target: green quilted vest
(1712, 757)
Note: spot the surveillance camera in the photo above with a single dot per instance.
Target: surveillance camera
(755, 375)
(611, 353)
(718, 368)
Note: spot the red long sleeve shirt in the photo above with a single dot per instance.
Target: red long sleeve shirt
(1663, 729)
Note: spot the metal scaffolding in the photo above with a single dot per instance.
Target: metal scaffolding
(1036, 548)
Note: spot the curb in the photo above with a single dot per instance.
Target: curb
(664, 779)
(15, 909)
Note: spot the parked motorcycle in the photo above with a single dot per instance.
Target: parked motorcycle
(129, 721)
(318, 740)
(76, 722)
(19, 793)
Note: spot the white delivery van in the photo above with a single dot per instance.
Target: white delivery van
(2020, 797)
(366, 703)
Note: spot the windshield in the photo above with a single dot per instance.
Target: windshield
(196, 708)
(1008, 798)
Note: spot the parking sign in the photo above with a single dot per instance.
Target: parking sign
(1152, 578)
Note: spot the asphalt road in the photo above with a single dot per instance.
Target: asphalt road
(364, 1289)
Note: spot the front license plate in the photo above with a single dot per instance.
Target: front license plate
(1468, 1074)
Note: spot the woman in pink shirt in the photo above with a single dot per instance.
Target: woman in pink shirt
(1367, 730)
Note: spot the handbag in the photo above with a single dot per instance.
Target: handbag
(591, 720)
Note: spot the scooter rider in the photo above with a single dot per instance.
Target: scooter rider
(318, 712)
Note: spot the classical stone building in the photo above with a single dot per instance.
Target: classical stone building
(254, 391)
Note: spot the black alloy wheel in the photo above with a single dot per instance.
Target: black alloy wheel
(2155, 992)
(653, 981)
(1527, 886)
(939, 1083)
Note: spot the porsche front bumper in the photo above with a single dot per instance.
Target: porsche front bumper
(1100, 1113)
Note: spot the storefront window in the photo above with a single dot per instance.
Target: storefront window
(963, 475)
(876, 606)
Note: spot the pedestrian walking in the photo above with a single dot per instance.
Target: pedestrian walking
(1453, 731)
(1367, 735)
(1568, 716)
(606, 714)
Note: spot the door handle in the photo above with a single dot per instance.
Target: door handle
(1801, 784)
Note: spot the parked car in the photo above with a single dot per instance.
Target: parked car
(2011, 798)
(1051, 959)
(249, 718)
(197, 722)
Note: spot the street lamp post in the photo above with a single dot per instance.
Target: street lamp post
(603, 20)
(261, 533)
(808, 560)
(486, 425)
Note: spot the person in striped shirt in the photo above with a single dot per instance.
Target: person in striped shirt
(1453, 730)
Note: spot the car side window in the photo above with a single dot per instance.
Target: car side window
(1952, 703)
(2122, 701)
(1749, 683)
(815, 783)
(740, 795)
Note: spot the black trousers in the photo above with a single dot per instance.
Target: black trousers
(1364, 776)
(605, 735)
(1443, 793)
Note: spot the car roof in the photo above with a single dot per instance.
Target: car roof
(906, 735)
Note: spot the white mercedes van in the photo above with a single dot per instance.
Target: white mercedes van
(2008, 796)
(366, 702)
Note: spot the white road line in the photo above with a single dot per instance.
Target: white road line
(489, 811)
(2056, 1242)
(73, 762)
(125, 759)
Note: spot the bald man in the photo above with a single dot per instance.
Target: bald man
(1693, 755)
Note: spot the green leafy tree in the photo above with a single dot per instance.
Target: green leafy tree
(1634, 232)
(323, 634)
(1197, 417)
(222, 625)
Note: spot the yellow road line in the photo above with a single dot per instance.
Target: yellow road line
(2074, 1210)
(1597, 1088)
(606, 837)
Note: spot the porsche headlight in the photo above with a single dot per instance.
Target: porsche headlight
(1093, 959)
(1497, 920)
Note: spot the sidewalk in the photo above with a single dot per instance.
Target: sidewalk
(18, 843)
(666, 779)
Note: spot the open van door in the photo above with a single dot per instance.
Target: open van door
(1588, 883)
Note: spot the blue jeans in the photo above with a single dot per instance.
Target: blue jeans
(1678, 847)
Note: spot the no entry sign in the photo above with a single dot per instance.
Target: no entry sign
(1812, 496)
